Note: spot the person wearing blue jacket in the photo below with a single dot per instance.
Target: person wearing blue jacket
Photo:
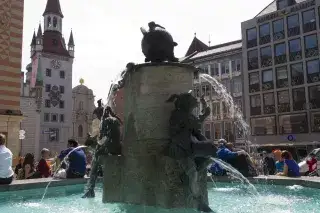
(226, 154)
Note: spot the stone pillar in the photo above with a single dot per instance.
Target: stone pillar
(143, 175)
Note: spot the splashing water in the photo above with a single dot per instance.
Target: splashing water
(59, 167)
(234, 111)
(236, 174)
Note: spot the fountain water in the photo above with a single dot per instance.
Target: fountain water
(59, 167)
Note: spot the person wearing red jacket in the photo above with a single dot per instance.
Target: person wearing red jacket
(312, 163)
(43, 168)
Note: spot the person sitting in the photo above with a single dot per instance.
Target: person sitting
(240, 160)
(216, 170)
(279, 161)
(76, 159)
(291, 168)
(28, 168)
(312, 164)
(269, 165)
(43, 168)
(18, 166)
(6, 172)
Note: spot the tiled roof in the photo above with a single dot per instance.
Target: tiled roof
(53, 43)
(221, 48)
(53, 6)
(272, 7)
(196, 46)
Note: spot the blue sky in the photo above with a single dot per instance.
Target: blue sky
(107, 34)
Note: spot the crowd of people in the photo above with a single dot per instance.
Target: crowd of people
(29, 168)
(278, 163)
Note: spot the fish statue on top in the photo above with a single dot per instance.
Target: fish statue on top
(157, 44)
(191, 149)
(108, 142)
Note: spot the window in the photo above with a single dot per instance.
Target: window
(228, 133)
(46, 117)
(54, 117)
(196, 91)
(207, 130)
(48, 72)
(216, 110)
(264, 33)
(283, 101)
(204, 69)
(299, 99)
(214, 69)
(61, 118)
(196, 75)
(48, 87)
(238, 103)
(280, 53)
(80, 131)
(267, 80)
(314, 97)
(61, 89)
(281, 4)
(226, 83)
(61, 104)
(217, 131)
(237, 85)
(311, 45)
(293, 124)
(81, 105)
(226, 111)
(282, 77)
(295, 49)
(62, 74)
(297, 75)
(309, 20)
(254, 82)
(253, 59)
(225, 68)
(263, 126)
(278, 29)
(53, 134)
(255, 103)
(47, 103)
(251, 37)
(55, 22)
(315, 122)
(313, 71)
(266, 56)
(293, 25)
(49, 21)
(268, 103)
(236, 65)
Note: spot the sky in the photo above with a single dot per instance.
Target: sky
(107, 32)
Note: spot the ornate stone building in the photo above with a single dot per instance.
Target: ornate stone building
(11, 27)
(82, 112)
(52, 60)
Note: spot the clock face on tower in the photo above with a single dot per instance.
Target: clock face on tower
(55, 64)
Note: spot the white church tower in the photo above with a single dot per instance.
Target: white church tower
(54, 60)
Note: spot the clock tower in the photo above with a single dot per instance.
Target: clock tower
(53, 60)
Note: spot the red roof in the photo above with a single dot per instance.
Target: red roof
(53, 6)
(53, 43)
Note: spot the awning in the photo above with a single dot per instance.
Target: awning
(305, 143)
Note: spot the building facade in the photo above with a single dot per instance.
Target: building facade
(52, 61)
(82, 111)
(11, 29)
(282, 78)
(223, 62)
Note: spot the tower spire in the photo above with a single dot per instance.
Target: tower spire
(39, 34)
(33, 41)
(53, 6)
(71, 41)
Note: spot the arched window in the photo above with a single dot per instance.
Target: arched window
(81, 105)
(80, 131)
(49, 21)
(55, 22)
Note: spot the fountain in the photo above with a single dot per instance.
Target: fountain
(164, 155)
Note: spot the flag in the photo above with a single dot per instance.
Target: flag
(35, 65)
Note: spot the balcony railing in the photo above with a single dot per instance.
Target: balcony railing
(293, 31)
(308, 27)
(312, 52)
(266, 61)
(254, 88)
(267, 85)
(251, 43)
(299, 105)
(314, 103)
(253, 63)
(281, 83)
(264, 39)
(278, 35)
(280, 59)
(314, 77)
(297, 80)
(269, 109)
(284, 107)
(295, 56)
